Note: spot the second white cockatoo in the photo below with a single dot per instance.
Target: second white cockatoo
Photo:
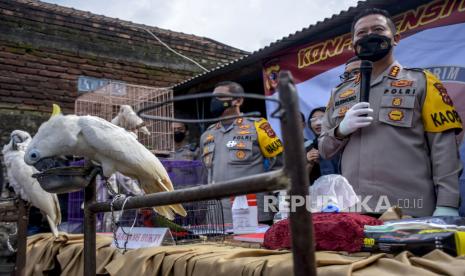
(25, 186)
(101, 141)
(129, 120)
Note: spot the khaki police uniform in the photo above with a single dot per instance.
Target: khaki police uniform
(408, 156)
(239, 150)
(186, 152)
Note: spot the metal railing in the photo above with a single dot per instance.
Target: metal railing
(293, 176)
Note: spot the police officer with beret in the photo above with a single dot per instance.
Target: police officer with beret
(399, 148)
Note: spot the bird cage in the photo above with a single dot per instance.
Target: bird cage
(105, 102)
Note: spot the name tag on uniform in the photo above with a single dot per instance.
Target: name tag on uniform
(231, 144)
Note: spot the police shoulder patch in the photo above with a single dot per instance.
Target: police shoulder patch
(269, 143)
(339, 85)
(438, 112)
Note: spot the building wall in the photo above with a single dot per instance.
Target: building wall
(45, 48)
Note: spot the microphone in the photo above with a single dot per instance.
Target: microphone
(365, 73)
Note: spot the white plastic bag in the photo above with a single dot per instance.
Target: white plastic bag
(332, 193)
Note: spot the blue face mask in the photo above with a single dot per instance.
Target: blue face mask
(217, 107)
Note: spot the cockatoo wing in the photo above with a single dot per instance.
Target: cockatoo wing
(117, 150)
(114, 147)
(29, 189)
(115, 120)
(15, 177)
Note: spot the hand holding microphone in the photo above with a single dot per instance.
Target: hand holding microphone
(358, 116)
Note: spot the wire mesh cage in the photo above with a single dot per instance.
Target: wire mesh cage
(204, 220)
(105, 103)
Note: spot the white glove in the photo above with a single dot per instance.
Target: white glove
(445, 211)
(354, 118)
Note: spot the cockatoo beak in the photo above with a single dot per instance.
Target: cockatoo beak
(15, 140)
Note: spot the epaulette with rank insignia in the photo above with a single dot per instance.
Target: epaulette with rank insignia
(253, 119)
(394, 71)
(212, 126)
(339, 85)
(416, 69)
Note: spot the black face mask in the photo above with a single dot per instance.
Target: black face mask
(373, 47)
(217, 107)
(179, 136)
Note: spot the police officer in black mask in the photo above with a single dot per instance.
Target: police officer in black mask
(392, 146)
(183, 149)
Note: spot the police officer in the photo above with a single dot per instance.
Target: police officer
(398, 149)
(236, 148)
(183, 150)
(352, 69)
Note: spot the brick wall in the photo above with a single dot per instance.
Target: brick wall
(45, 48)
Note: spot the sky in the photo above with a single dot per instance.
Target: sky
(244, 24)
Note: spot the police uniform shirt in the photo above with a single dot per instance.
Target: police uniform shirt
(408, 156)
(239, 150)
(186, 152)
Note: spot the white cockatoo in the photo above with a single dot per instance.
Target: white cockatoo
(25, 186)
(101, 141)
(129, 120)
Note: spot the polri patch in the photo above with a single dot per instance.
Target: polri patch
(396, 115)
(402, 83)
(347, 93)
(443, 92)
(397, 101)
(240, 154)
(267, 128)
(210, 139)
(240, 145)
(342, 111)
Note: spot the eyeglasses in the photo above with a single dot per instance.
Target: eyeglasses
(316, 119)
(349, 75)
